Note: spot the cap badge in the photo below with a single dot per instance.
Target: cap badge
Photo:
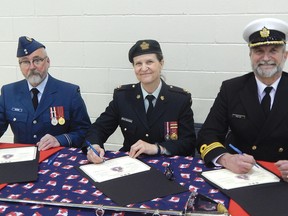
(265, 32)
(144, 46)
(29, 39)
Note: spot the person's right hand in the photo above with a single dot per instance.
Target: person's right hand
(237, 163)
(92, 157)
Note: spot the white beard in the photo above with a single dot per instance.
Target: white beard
(267, 73)
(35, 78)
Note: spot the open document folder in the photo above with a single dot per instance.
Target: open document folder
(127, 180)
(226, 179)
(259, 192)
(18, 164)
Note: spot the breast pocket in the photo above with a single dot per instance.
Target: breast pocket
(17, 121)
(128, 128)
(17, 117)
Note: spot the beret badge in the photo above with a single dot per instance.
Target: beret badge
(264, 33)
(144, 46)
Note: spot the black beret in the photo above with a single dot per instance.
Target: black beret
(144, 47)
(27, 45)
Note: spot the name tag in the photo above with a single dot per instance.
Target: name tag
(126, 119)
(15, 109)
(238, 116)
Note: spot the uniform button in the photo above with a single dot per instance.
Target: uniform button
(125, 129)
(280, 150)
(35, 136)
(14, 119)
(254, 147)
(147, 135)
(35, 122)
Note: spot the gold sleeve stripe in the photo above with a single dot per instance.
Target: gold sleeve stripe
(205, 149)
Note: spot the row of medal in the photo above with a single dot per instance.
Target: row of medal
(57, 115)
(171, 130)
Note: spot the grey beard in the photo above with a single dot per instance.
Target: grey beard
(265, 73)
(34, 79)
(268, 73)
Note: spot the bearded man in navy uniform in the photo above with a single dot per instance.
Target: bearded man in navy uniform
(40, 109)
(250, 113)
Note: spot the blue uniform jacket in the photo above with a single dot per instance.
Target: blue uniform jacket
(127, 111)
(30, 126)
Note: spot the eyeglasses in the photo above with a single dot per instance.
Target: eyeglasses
(199, 203)
(36, 62)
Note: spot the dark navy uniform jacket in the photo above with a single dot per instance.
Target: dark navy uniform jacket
(127, 111)
(237, 109)
(29, 126)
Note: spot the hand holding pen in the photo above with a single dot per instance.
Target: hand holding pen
(94, 150)
(240, 152)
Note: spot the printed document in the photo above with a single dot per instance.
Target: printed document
(226, 179)
(19, 154)
(114, 168)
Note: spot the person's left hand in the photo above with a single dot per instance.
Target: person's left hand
(282, 166)
(46, 142)
(142, 147)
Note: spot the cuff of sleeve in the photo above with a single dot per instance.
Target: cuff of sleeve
(214, 161)
(64, 140)
(211, 151)
(158, 149)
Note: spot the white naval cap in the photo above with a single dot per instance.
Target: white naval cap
(266, 31)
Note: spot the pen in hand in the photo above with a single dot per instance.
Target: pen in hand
(93, 149)
(240, 152)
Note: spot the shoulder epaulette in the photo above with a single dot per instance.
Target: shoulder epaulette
(178, 90)
(125, 87)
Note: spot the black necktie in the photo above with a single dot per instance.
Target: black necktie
(35, 92)
(150, 98)
(266, 101)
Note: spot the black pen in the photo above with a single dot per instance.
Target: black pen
(93, 149)
(240, 152)
(53, 158)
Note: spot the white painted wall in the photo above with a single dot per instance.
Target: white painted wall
(88, 42)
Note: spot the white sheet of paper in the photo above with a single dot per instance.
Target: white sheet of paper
(19, 154)
(114, 168)
(226, 179)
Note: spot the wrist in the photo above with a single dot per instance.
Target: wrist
(158, 149)
(222, 160)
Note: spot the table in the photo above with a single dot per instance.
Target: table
(61, 182)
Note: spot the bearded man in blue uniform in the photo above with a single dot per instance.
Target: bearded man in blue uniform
(40, 109)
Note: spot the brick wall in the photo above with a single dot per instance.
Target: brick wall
(88, 41)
